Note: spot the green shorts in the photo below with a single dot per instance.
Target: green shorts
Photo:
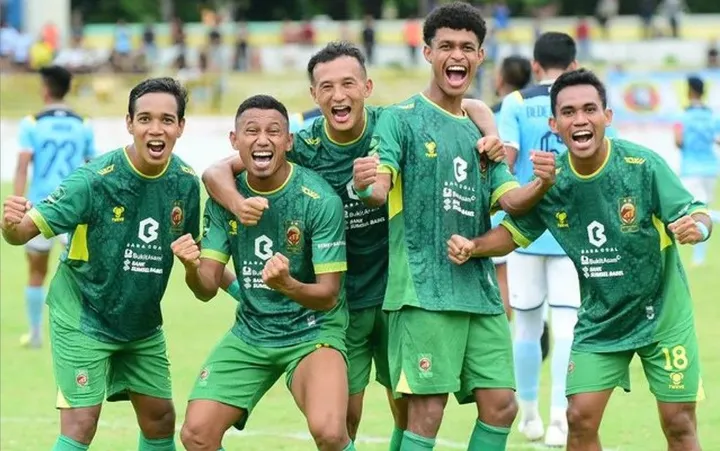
(87, 369)
(367, 341)
(672, 368)
(239, 374)
(449, 352)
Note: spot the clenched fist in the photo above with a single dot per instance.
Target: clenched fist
(492, 147)
(460, 249)
(276, 273)
(365, 171)
(686, 230)
(250, 210)
(14, 210)
(544, 166)
(186, 250)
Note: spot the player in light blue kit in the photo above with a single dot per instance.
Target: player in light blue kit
(696, 134)
(540, 274)
(301, 121)
(55, 141)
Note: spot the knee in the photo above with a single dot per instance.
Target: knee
(502, 412)
(80, 426)
(159, 423)
(679, 426)
(329, 431)
(194, 437)
(581, 421)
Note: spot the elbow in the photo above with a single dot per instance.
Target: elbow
(329, 302)
(207, 175)
(204, 296)
(509, 207)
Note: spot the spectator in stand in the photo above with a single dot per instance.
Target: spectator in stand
(606, 11)
(76, 58)
(307, 33)
(413, 38)
(713, 61)
(368, 39)
(122, 47)
(21, 53)
(149, 46)
(582, 37)
(76, 25)
(240, 59)
(672, 9)
(8, 42)
(51, 36)
(646, 12)
(41, 54)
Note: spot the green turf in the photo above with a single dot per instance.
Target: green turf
(29, 422)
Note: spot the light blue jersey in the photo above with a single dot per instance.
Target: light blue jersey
(60, 141)
(523, 124)
(700, 129)
(497, 218)
(301, 121)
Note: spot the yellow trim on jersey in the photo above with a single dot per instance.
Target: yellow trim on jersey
(78, 249)
(61, 402)
(278, 189)
(599, 170)
(403, 386)
(350, 143)
(701, 391)
(41, 223)
(462, 117)
(517, 236)
(387, 169)
(502, 190)
(137, 171)
(214, 255)
(395, 199)
(326, 268)
(665, 240)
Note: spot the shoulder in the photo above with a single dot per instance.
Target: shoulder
(633, 153)
(104, 164)
(310, 136)
(533, 91)
(314, 187)
(184, 170)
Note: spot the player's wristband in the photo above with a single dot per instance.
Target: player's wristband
(365, 193)
(234, 290)
(703, 230)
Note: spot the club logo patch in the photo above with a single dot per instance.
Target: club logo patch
(293, 236)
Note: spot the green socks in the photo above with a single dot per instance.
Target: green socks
(350, 446)
(67, 444)
(396, 439)
(158, 444)
(414, 442)
(488, 438)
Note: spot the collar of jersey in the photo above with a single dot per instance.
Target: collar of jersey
(546, 82)
(364, 130)
(137, 172)
(55, 106)
(424, 98)
(599, 170)
(276, 190)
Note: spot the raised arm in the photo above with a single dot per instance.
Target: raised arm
(17, 225)
(202, 275)
(321, 295)
(371, 183)
(521, 200)
(481, 115)
(509, 127)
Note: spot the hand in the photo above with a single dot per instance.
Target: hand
(250, 210)
(276, 273)
(686, 230)
(544, 167)
(186, 250)
(493, 147)
(460, 249)
(365, 171)
(14, 210)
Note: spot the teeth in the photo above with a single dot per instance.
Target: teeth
(262, 154)
(155, 143)
(340, 108)
(456, 69)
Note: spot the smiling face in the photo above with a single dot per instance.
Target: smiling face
(340, 88)
(155, 127)
(261, 137)
(580, 120)
(454, 56)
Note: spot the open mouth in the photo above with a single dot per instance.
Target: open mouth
(456, 75)
(582, 136)
(262, 158)
(156, 148)
(341, 113)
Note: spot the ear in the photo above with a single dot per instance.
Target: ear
(481, 55)
(608, 117)
(313, 94)
(553, 125)
(573, 66)
(128, 124)
(426, 53)
(290, 142)
(181, 126)
(231, 137)
(369, 87)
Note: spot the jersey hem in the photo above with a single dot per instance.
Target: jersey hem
(387, 169)
(502, 190)
(325, 268)
(681, 328)
(519, 239)
(396, 307)
(40, 222)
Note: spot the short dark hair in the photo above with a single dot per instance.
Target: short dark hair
(332, 51)
(165, 85)
(555, 50)
(516, 71)
(577, 78)
(696, 85)
(456, 16)
(262, 102)
(57, 79)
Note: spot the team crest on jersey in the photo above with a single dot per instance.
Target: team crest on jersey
(431, 149)
(81, 378)
(118, 214)
(425, 365)
(177, 217)
(233, 226)
(628, 214)
(293, 236)
(562, 219)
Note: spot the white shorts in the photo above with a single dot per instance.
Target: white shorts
(534, 279)
(42, 245)
(702, 188)
(500, 260)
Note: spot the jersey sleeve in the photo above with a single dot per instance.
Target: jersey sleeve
(671, 200)
(524, 229)
(301, 147)
(25, 132)
(328, 236)
(67, 207)
(215, 238)
(388, 142)
(501, 181)
(509, 123)
(90, 150)
(192, 222)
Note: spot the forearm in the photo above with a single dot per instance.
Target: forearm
(313, 296)
(20, 183)
(520, 201)
(481, 115)
(379, 191)
(204, 288)
(495, 243)
(228, 278)
(219, 180)
(21, 233)
(704, 219)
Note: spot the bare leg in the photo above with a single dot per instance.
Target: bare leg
(585, 412)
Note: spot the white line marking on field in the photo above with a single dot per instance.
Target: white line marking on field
(297, 436)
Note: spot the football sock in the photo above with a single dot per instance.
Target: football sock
(563, 327)
(64, 443)
(35, 300)
(396, 439)
(158, 444)
(528, 358)
(488, 438)
(414, 442)
(350, 446)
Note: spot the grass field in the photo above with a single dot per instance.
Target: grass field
(29, 422)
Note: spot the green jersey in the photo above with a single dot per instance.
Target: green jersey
(440, 188)
(113, 275)
(366, 227)
(613, 225)
(305, 224)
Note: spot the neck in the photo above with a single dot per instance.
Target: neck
(696, 101)
(141, 165)
(452, 105)
(51, 101)
(272, 183)
(346, 136)
(550, 74)
(588, 166)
